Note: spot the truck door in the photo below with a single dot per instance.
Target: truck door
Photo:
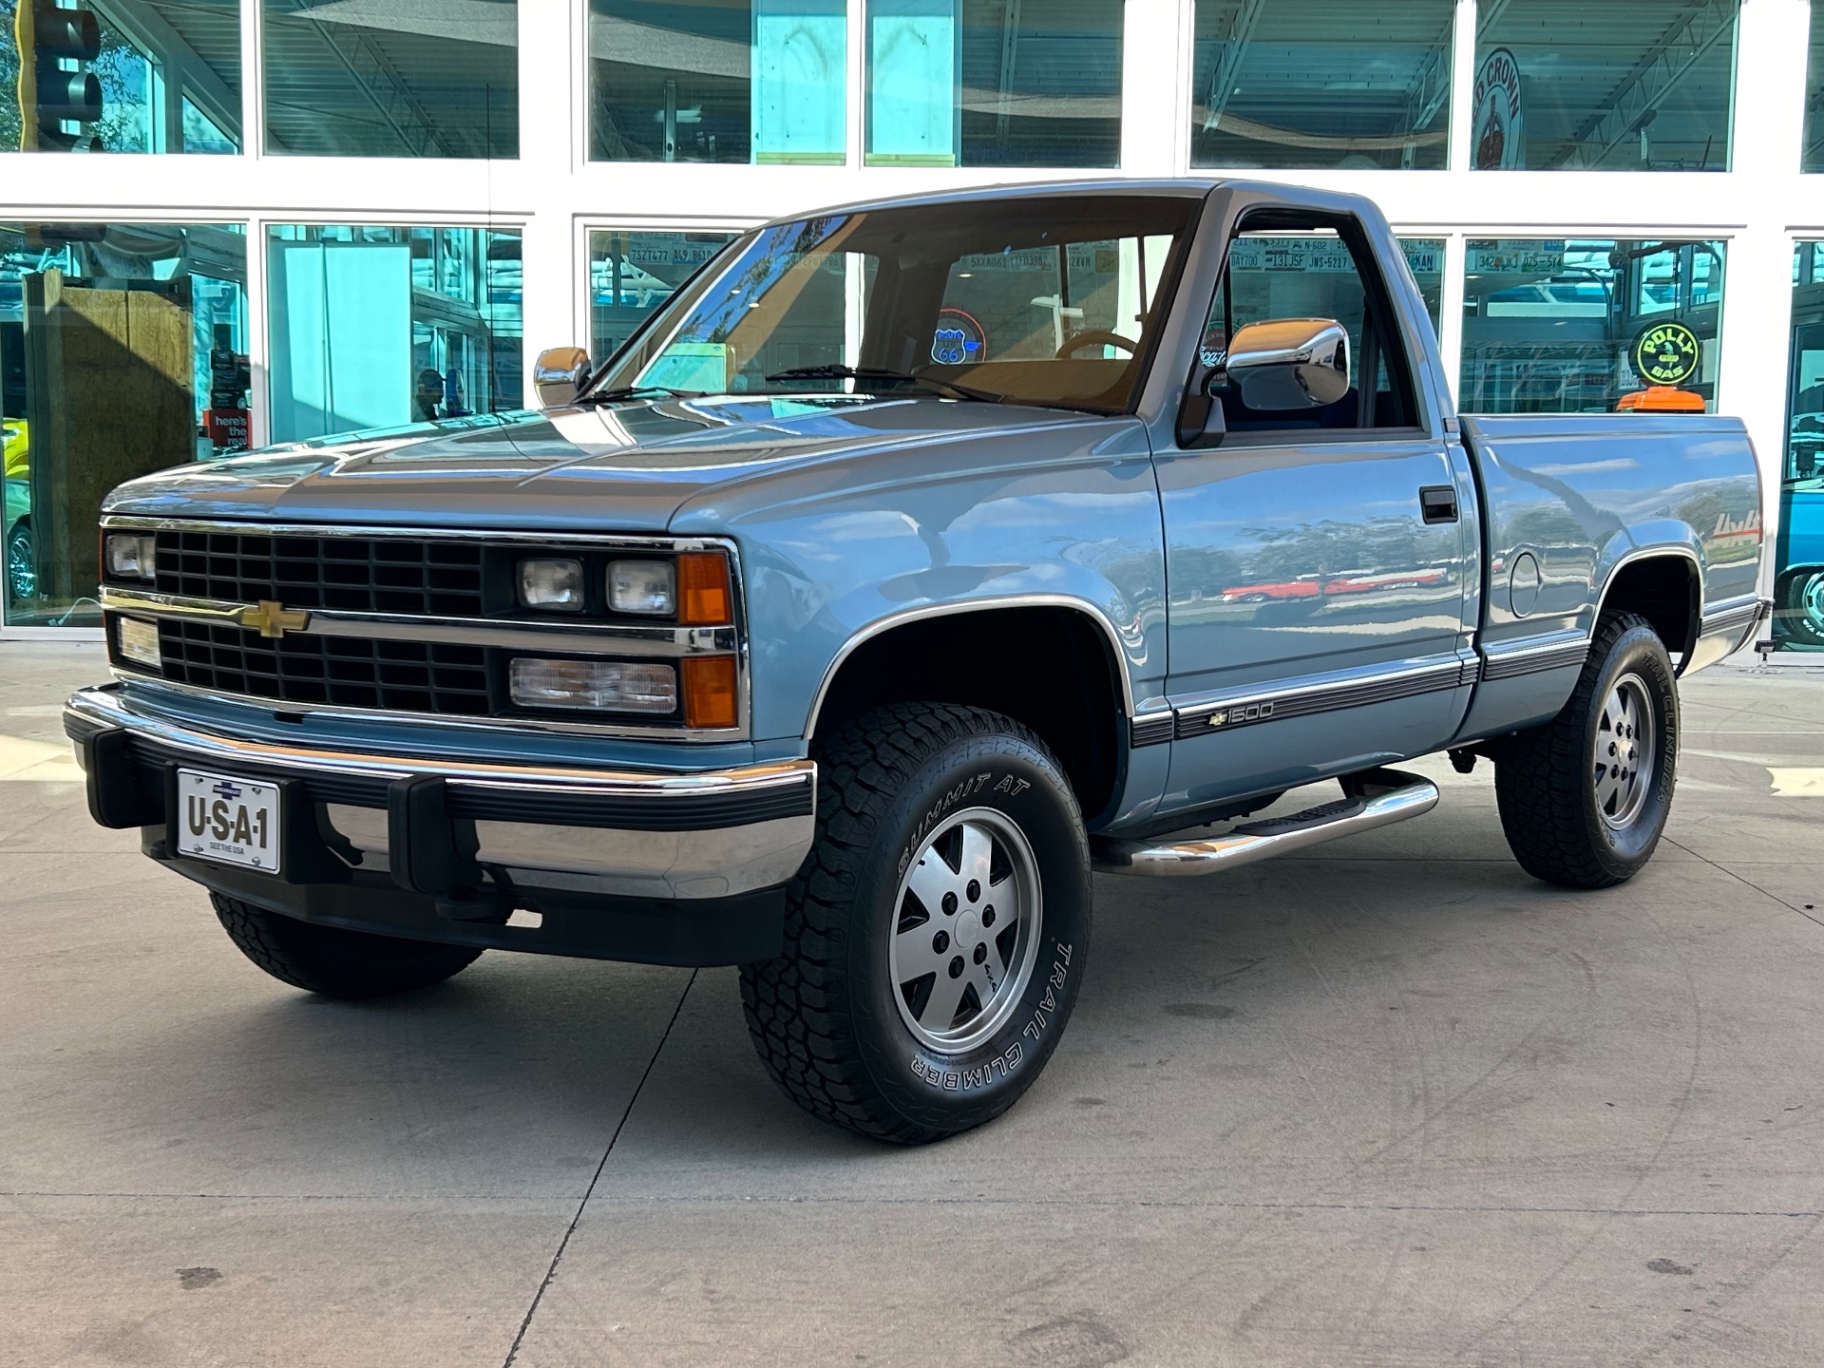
(1315, 558)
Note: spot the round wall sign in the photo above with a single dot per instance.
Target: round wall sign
(959, 339)
(1667, 354)
(1498, 130)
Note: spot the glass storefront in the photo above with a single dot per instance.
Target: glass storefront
(130, 76)
(759, 81)
(632, 273)
(1425, 259)
(1284, 84)
(1798, 607)
(1618, 86)
(411, 78)
(374, 327)
(123, 350)
(1813, 156)
(1591, 325)
(994, 83)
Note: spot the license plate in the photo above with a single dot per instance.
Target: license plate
(220, 817)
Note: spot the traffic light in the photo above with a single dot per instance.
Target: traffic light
(58, 98)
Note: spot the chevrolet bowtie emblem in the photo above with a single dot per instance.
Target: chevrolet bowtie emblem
(271, 619)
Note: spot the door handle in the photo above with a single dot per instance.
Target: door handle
(1438, 503)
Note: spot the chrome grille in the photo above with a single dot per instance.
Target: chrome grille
(348, 574)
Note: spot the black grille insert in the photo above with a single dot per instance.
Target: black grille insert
(347, 574)
(402, 676)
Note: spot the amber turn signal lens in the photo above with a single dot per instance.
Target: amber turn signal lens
(704, 599)
(709, 691)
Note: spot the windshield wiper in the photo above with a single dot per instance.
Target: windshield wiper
(837, 372)
(609, 396)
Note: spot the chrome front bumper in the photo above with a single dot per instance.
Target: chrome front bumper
(617, 833)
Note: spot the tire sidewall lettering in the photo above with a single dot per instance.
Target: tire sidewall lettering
(1026, 789)
(1008, 784)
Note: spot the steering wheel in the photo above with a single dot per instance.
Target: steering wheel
(1094, 337)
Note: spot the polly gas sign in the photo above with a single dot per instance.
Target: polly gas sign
(1667, 354)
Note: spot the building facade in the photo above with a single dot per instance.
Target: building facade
(317, 216)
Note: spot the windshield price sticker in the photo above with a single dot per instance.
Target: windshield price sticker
(1667, 354)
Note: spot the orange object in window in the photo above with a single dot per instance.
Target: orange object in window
(1661, 399)
(704, 599)
(709, 691)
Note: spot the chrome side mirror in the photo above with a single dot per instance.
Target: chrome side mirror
(558, 374)
(1288, 363)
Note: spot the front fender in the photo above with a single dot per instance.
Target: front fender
(830, 569)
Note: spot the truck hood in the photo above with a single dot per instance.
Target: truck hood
(628, 467)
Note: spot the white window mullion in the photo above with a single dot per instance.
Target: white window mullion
(253, 80)
(553, 144)
(259, 338)
(1154, 116)
(1773, 40)
(576, 42)
(857, 78)
(1463, 86)
(1450, 314)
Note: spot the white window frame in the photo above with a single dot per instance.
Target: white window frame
(554, 196)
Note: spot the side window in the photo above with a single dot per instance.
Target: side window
(1312, 274)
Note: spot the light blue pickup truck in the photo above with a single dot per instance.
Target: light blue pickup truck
(916, 559)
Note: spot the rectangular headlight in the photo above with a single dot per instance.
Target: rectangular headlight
(132, 555)
(604, 685)
(552, 584)
(642, 586)
(138, 642)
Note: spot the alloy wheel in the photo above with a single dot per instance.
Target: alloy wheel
(966, 930)
(21, 567)
(1623, 751)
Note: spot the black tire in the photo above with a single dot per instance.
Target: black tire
(21, 563)
(1801, 607)
(830, 1023)
(1565, 825)
(334, 962)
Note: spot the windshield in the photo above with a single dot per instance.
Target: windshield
(1042, 300)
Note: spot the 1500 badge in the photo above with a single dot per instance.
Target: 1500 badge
(1241, 712)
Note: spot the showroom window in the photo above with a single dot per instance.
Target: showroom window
(760, 81)
(1425, 259)
(133, 76)
(1591, 325)
(376, 327)
(1798, 607)
(1314, 275)
(1570, 85)
(123, 350)
(1813, 157)
(1282, 84)
(386, 78)
(632, 273)
(994, 83)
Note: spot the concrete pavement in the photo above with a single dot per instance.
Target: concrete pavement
(1389, 1103)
